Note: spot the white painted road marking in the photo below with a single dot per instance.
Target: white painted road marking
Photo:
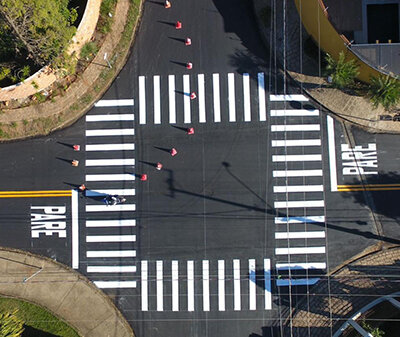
(113, 102)
(171, 94)
(111, 223)
(252, 284)
(206, 286)
(299, 204)
(110, 208)
(300, 219)
(299, 98)
(300, 235)
(296, 282)
(297, 173)
(175, 285)
(332, 153)
(142, 100)
(110, 253)
(157, 98)
(297, 266)
(297, 157)
(110, 147)
(159, 285)
(221, 285)
(111, 238)
(115, 284)
(216, 99)
(110, 177)
(110, 162)
(296, 142)
(236, 285)
(75, 228)
(110, 132)
(294, 112)
(111, 269)
(267, 284)
(190, 285)
(295, 127)
(261, 97)
(298, 188)
(202, 98)
(144, 285)
(98, 192)
(187, 118)
(246, 97)
(110, 118)
(231, 97)
(300, 250)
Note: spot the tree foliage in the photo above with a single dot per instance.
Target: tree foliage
(343, 73)
(11, 325)
(42, 27)
(384, 90)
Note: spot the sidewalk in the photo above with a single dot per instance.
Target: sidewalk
(304, 71)
(62, 291)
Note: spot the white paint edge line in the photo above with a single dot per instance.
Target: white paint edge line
(75, 228)
(231, 97)
(115, 284)
(299, 204)
(298, 157)
(206, 286)
(295, 127)
(159, 286)
(300, 235)
(175, 285)
(332, 153)
(110, 177)
(294, 112)
(111, 238)
(110, 208)
(300, 250)
(267, 285)
(190, 285)
(236, 285)
(221, 285)
(298, 188)
(171, 95)
(111, 269)
(187, 117)
(126, 191)
(142, 100)
(300, 219)
(297, 173)
(252, 284)
(110, 118)
(300, 266)
(246, 97)
(110, 162)
(114, 102)
(296, 142)
(144, 286)
(157, 99)
(110, 147)
(111, 223)
(202, 98)
(299, 98)
(296, 282)
(110, 253)
(261, 97)
(110, 132)
(216, 99)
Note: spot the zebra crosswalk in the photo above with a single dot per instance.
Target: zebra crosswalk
(219, 98)
(110, 160)
(298, 189)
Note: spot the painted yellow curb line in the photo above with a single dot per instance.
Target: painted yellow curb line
(35, 194)
(375, 187)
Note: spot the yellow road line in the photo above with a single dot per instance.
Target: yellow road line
(377, 187)
(35, 194)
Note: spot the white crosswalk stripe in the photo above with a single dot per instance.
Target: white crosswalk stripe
(297, 236)
(165, 285)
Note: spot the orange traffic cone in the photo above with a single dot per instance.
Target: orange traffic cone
(76, 147)
(75, 162)
(159, 166)
(173, 152)
(82, 187)
(190, 131)
(167, 4)
(178, 25)
(193, 95)
(189, 65)
(188, 41)
(143, 177)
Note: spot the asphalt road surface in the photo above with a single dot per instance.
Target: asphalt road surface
(265, 198)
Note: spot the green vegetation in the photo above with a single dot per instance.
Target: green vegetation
(106, 15)
(89, 50)
(384, 90)
(35, 317)
(342, 73)
(11, 325)
(375, 332)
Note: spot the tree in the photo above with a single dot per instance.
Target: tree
(11, 325)
(343, 73)
(42, 27)
(384, 90)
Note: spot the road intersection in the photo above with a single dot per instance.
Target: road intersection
(266, 197)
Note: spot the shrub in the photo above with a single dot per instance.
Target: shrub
(384, 90)
(88, 50)
(343, 73)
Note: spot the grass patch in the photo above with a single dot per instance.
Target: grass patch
(107, 10)
(89, 50)
(37, 318)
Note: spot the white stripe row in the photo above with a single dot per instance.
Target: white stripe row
(205, 285)
(217, 109)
